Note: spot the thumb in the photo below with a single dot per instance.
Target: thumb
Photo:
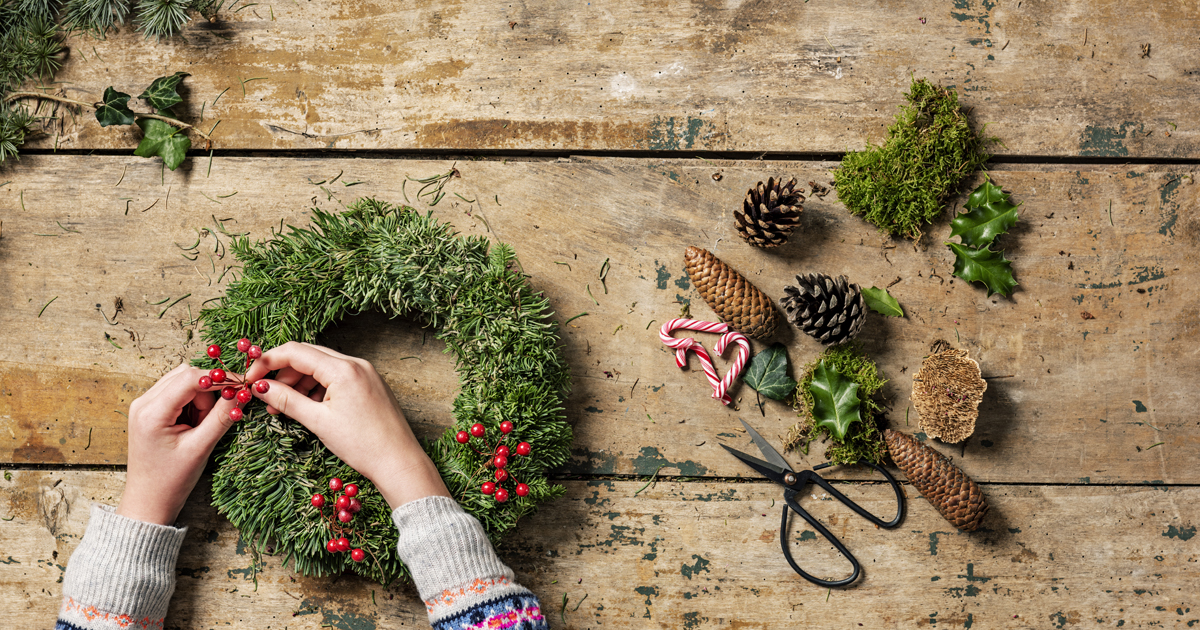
(293, 404)
(216, 422)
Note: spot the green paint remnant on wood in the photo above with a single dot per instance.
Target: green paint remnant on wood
(808, 535)
(1170, 206)
(651, 460)
(1147, 274)
(672, 134)
(593, 410)
(346, 621)
(684, 282)
(728, 435)
(971, 577)
(663, 276)
(648, 591)
(700, 565)
(921, 437)
(192, 573)
(1138, 407)
(1182, 533)
(933, 541)
(935, 578)
(1107, 141)
(10, 561)
(692, 619)
(594, 462)
(1014, 530)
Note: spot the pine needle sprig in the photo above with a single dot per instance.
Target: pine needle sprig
(162, 18)
(95, 16)
(377, 256)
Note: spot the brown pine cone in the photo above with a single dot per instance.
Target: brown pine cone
(769, 213)
(950, 490)
(736, 301)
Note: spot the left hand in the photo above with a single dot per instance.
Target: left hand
(167, 455)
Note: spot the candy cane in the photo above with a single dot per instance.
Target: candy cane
(734, 370)
(683, 345)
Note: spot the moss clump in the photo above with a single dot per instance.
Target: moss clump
(904, 184)
(864, 440)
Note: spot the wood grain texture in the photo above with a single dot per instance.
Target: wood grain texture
(1074, 400)
(1049, 78)
(688, 555)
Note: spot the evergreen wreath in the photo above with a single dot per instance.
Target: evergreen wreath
(381, 256)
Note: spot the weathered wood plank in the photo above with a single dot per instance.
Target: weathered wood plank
(690, 555)
(1049, 78)
(1076, 400)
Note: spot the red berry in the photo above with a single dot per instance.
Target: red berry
(488, 487)
(500, 461)
(355, 506)
(235, 414)
(214, 351)
(318, 500)
(262, 387)
(244, 396)
(501, 495)
(205, 382)
(345, 516)
(243, 344)
(228, 392)
(522, 489)
(502, 450)
(462, 437)
(477, 430)
(331, 546)
(506, 426)
(343, 544)
(524, 448)
(217, 375)
(335, 484)
(501, 474)
(358, 555)
(351, 490)
(254, 353)
(343, 502)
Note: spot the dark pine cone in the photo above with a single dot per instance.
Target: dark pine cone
(949, 489)
(832, 311)
(770, 212)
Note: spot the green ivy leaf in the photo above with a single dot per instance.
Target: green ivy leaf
(767, 373)
(835, 401)
(990, 215)
(115, 109)
(162, 140)
(882, 302)
(986, 266)
(161, 94)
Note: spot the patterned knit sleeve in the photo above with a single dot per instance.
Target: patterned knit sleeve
(457, 573)
(121, 576)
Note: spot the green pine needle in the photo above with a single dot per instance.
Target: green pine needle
(161, 18)
(376, 256)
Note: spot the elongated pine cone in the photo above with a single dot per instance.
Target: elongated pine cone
(769, 213)
(957, 498)
(736, 301)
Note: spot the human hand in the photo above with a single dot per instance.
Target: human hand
(345, 402)
(168, 447)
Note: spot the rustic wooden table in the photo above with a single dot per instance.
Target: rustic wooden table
(593, 131)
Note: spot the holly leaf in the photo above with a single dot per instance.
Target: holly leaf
(162, 140)
(990, 215)
(767, 373)
(882, 302)
(984, 265)
(835, 401)
(161, 94)
(115, 109)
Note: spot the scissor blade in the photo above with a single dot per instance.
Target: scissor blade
(770, 471)
(771, 454)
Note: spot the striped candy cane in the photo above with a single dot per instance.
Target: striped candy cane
(683, 345)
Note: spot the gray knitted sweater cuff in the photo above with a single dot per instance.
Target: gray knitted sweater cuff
(450, 556)
(123, 571)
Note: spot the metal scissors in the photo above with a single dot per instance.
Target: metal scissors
(777, 469)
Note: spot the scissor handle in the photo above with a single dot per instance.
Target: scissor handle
(789, 497)
(858, 509)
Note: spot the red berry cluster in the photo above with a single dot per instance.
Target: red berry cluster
(242, 391)
(345, 506)
(498, 459)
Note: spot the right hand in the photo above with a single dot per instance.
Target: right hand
(345, 402)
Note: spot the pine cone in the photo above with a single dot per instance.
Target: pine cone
(769, 213)
(832, 311)
(736, 301)
(957, 498)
